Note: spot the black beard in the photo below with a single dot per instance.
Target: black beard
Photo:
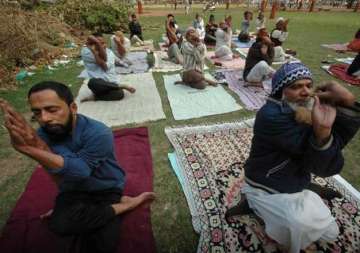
(58, 132)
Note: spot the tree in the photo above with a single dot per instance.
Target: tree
(263, 5)
(312, 5)
(357, 6)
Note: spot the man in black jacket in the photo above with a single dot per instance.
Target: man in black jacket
(135, 31)
(258, 61)
(286, 149)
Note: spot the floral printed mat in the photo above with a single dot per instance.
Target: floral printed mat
(211, 159)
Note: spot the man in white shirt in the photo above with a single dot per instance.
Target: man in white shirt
(278, 35)
(223, 42)
(194, 51)
(120, 45)
(199, 26)
(99, 63)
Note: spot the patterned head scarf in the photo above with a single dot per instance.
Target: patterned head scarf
(286, 75)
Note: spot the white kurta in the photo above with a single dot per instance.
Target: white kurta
(223, 44)
(293, 220)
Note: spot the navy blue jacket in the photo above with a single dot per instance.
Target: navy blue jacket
(89, 158)
(284, 154)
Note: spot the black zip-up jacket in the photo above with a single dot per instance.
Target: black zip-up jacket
(284, 154)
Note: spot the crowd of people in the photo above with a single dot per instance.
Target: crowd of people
(285, 150)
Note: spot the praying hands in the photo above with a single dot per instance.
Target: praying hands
(22, 135)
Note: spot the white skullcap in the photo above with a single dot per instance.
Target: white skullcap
(279, 19)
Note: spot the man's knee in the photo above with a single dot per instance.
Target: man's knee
(263, 64)
(60, 226)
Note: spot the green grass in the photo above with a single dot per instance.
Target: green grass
(170, 214)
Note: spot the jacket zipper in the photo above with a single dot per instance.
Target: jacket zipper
(277, 168)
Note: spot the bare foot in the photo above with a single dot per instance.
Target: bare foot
(130, 89)
(128, 203)
(211, 82)
(46, 215)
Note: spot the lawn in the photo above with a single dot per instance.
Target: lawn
(170, 214)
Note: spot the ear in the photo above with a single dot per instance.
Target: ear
(73, 108)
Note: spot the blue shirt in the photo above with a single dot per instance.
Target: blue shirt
(89, 158)
(95, 71)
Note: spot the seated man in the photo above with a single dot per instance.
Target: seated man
(99, 63)
(199, 26)
(278, 35)
(286, 150)
(194, 52)
(136, 37)
(260, 21)
(120, 45)
(210, 30)
(244, 35)
(258, 61)
(175, 40)
(354, 45)
(223, 42)
(78, 153)
(228, 21)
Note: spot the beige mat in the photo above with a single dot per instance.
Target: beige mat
(143, 105)
(163, 64)
(148, 46)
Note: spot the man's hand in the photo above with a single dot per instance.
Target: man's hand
(21, 133)
(333, 93)
(323, 117)
(194, 39)
(91, 40)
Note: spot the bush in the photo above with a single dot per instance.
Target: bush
(99, 15)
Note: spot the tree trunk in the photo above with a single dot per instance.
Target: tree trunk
(300, 4)
(263, 5)
(312, 5)
(140, 7)
(357, 6)
(274, 9)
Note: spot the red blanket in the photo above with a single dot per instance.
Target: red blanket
(26, 233)
(339, 71)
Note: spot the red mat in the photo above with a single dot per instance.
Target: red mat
(26, 233)
(339, 71)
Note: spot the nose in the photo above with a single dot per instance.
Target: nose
(306, 91)
(45, 117)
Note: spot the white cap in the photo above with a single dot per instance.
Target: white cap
(279, 19)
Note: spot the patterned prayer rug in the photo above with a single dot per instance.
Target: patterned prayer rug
(252, 97)
(211, 159)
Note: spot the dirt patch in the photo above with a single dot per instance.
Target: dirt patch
(12, 165)
(32, 38)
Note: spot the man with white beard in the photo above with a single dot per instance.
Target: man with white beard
(286, 150)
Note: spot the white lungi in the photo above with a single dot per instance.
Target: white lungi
(293, 220)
